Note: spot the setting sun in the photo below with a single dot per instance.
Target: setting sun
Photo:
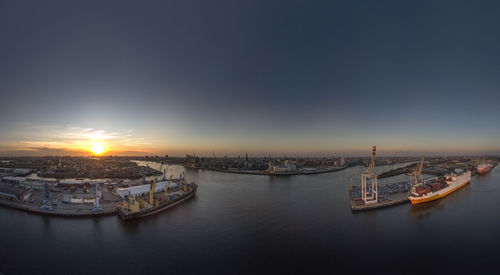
(97, 149)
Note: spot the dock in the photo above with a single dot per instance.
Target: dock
(286, 173)
(83, 211)
(392, 194)
(386, 202)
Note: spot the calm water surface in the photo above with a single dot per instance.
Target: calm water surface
(258, 224)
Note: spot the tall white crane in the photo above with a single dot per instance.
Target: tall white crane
(369, 188)
(97, 196)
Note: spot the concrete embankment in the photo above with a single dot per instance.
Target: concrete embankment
(389, 194)
(291, 173)
(394, 200)
(84, 211)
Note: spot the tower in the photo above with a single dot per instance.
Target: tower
(369, 192)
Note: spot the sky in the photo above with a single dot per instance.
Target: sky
(263, 77)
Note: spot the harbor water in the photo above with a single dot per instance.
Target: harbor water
(259, 224)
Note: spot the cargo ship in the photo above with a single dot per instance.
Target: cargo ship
(433, 189)
(484, 168)
(139, 206)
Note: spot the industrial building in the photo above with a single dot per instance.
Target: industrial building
(78, 198)
(144, 189)
(31, 185)
(28, 183)
(78, 182)
(11, 179)
(21, 171)
(5, 170)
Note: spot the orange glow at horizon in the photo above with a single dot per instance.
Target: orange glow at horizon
(98, 148)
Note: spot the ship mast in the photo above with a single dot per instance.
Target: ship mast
(369, 189)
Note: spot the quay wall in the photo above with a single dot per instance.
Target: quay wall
(110, 209)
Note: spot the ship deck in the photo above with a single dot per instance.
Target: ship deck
(129, 216)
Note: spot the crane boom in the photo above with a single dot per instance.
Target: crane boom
(184, 182)
(152, 192)
(416, 175)
(167, 185)
(371, 169)
(420, 167)
(161, 166)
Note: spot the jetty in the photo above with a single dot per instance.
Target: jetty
(357, 204)
(82, 211)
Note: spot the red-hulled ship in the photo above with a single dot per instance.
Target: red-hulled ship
(484, 168)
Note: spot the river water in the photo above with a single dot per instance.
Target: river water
(258, 224)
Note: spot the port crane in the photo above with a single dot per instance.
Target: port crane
(152, 201)
(135, 203)
(152, 193)
(164, 171)
(369, 188)
(416, 175)
(97, 196)
(46, 193)
(131, 203)
(145, 204)
(184, 183)
(167, 185)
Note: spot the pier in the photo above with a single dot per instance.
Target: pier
(382, 202)
(284, 173)
(389, 194)
(83, 211)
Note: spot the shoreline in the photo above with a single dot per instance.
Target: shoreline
(32, 209)
(266, 173)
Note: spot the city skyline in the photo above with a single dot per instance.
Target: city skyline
(77, 141)
(263, 78)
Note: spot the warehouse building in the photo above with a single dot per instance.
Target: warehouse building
(144, 189)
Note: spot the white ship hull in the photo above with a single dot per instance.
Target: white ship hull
(454, 183)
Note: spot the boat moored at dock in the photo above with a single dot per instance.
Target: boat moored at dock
(484, 168)
(432, 189)
(138, 206)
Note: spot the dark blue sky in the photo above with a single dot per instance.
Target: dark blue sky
(260, 76)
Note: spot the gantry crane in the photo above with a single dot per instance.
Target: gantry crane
(46, 193)
(369, 188)
(97, 196)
